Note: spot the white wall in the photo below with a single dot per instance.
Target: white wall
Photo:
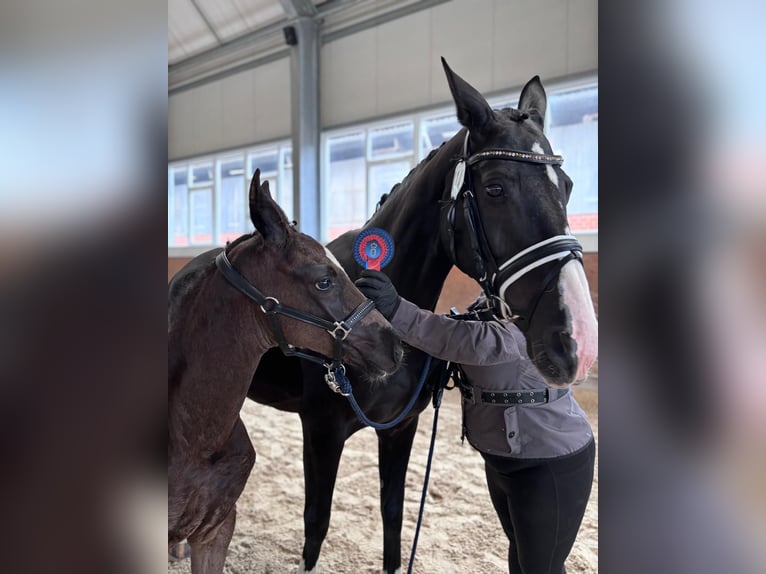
(395, 67)
(252, 106)
(494, 44)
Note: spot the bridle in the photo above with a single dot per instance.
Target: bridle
(271, 307)
(496, 279)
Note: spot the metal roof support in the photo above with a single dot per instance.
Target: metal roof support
(304, 92)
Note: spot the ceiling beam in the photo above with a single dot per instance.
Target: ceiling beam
(205, 19)
(298, 9)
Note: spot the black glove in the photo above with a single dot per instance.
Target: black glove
(378, 287)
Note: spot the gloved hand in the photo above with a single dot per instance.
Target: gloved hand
(377, 286)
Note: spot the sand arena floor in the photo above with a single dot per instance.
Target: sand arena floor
(461, 532)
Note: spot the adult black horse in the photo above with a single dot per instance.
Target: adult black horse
(492, 202)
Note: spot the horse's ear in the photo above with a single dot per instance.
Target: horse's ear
(265, 214)
(473, 111)
(534, 101)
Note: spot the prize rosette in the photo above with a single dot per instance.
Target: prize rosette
(373, 249)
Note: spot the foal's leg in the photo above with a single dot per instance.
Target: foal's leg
(394, 447)
(208, 554)
(323, 442)
(221, 487)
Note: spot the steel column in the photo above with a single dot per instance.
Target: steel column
(304, 92)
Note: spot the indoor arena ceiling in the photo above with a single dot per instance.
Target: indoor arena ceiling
(198, 25)
(210, 37)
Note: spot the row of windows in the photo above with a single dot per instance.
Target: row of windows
(207, 197)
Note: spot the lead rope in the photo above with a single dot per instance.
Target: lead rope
(437, 401)
(340, 384)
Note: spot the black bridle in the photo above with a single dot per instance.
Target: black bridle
(271, 307)
(493, 278)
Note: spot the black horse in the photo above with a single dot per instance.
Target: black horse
(504, 223)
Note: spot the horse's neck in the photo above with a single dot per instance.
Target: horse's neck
(411, 215)
(213, 352)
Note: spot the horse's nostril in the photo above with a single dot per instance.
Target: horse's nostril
(568, 344)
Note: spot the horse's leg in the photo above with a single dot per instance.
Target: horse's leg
(394, 448)
(323, 442)
(222, 484)
(208, 554)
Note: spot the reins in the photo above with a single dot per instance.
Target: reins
(271, 307)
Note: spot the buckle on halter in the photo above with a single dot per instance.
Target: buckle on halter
(341, 327)
(271, 307)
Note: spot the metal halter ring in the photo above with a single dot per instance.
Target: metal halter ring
(332, 381)
(339, 326)
(271, 307)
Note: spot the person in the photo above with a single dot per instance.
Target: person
(537, 444)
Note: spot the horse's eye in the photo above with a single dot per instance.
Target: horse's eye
(323, 284)
(494, 190)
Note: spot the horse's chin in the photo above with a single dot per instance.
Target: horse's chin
(374, 373)
(378, 377)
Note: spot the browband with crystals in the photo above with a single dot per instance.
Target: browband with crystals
(516, 155)
(508, 154)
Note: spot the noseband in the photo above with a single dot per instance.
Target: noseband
(496, 279)
(271, 307)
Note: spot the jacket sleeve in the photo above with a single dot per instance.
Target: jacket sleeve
(458, 341)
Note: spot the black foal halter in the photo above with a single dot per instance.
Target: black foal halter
(493, 278)
(271, 307)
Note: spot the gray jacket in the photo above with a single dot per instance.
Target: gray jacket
(494, 360)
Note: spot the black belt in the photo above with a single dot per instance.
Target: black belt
(516, 397)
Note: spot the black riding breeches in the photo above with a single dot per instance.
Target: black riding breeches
(540, 504)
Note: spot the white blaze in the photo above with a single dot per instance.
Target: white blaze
(575, 297)
(552, 175)
(332, 258)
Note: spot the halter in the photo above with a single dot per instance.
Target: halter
(271, 307)
(493, 278)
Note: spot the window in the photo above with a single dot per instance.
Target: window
(390, 142)
(573, 133)
(201, 204)
(208, 199)
(346, 183)
(360, 166)
(201, 216)
(382, 177)
(276, 165)
(285, 177)
(232, 199)
(178, 209)
(436, 130)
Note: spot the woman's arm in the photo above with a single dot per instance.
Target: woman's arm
(459, 341)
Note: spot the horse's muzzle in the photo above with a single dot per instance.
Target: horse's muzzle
(379, 353)
(557, 359)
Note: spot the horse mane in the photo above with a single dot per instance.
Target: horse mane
(185, 282)
(407, 181)
(182, 288)
(232, 244)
